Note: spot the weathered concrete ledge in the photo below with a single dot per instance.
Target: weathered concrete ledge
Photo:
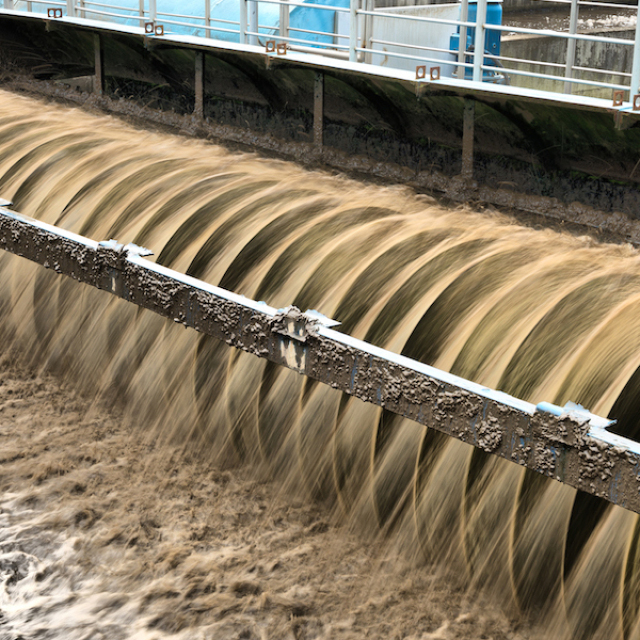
(570, 445)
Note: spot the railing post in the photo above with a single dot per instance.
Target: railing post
(353, 30)
(478, 49)
(8, 4)
(367, 32)
(141, 10)
(71, 7)
(153, 11)
(243, 21)
(635, 70)
(284, 20)
(253, 21)
(571, 46)
(462, 43)
(207, 18)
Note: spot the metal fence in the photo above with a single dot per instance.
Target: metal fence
(428, 42)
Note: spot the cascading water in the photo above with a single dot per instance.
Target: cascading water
(540, 315)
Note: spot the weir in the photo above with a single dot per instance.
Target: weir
(444, 296)
(567, 443)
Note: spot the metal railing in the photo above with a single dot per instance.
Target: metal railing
(602, 63)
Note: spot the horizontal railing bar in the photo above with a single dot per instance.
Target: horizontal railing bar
(318, 33)
(541, 63)
(180, 15)
(415, 46)
(178, 23)
(400, 16)
(417, 57)
(90, 3)
(608, 5)
(113, 15)
(317, 49)
(548, 76)
(581, 37)
(218, 21)
(327, 53)
(608, 72)
(320, 7)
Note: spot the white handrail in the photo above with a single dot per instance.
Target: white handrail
(368, 47)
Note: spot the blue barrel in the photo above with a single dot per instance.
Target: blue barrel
(492, 37)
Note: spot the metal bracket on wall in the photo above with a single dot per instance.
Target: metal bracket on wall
(153, 29)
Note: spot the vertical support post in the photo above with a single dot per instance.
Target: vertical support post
(141, 10)
(571, 46)
(199, 106)
(467, 138)
(243, 21)
(367, 32)
(318, 110)
(635, 69)
(353, 30)
(153, 11)
(71, 8)
(462, 43)
(284, 20)
(98, 83)
(478, 47)
(8, 4)
(253, 21)
(207, 18)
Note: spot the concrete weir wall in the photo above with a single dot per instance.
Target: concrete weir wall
(381, 126)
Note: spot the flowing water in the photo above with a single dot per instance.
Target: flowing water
(540, 315)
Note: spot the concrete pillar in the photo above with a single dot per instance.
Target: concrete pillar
(318, 109)
(98, 85)
(199, 106)
(467, 138)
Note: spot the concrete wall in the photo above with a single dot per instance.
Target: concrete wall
(596, 55)
(508, 5)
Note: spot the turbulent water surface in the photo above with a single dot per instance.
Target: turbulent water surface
(540, 315)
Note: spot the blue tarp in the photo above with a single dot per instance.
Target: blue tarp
(229, 10)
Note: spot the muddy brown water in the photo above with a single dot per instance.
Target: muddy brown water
(536, 313)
